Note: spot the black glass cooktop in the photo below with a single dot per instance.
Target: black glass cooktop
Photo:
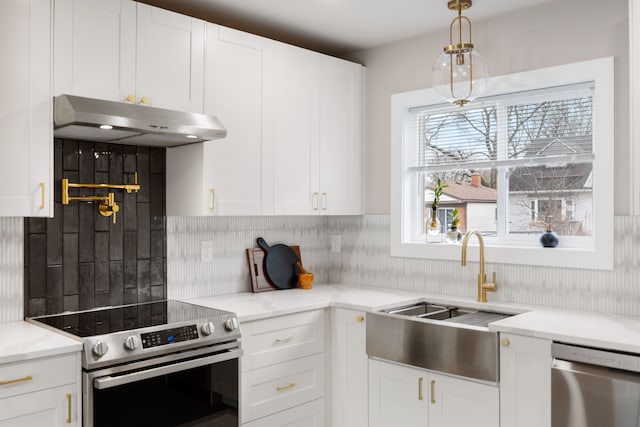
(127, 317)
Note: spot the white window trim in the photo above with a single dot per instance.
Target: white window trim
(600, 256)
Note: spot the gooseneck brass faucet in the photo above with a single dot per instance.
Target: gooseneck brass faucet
(483, 286)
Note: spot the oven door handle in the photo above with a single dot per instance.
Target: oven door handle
(114, 381)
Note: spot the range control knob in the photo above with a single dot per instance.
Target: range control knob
(100, 348)
(231, 324)
(131, 342)
(208, 328)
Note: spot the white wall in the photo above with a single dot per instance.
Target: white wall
(556, 33)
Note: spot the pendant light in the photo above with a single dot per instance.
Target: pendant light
(460, 73)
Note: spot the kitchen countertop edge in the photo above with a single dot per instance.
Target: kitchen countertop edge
(24, 341)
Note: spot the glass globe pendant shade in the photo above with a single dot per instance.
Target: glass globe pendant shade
(460, 76)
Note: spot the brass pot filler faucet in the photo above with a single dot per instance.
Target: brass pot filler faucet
(108, 205)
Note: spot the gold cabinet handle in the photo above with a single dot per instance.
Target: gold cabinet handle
(212, 198)
(360, 318)
(324, 201)
(144, 100)
(130, 98)
(42, 195)
(315, 201)
(420, 396)
(433, 392)
(505, 342)
(282, 340)
(286, 387)
(17, 380)
(68, 419)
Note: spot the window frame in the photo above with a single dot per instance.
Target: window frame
(598, 256)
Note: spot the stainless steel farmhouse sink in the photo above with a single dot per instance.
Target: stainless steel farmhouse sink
(437, 337)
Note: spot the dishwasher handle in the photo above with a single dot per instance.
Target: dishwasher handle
(596, 357)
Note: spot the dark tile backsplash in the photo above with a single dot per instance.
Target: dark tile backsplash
(79, 259)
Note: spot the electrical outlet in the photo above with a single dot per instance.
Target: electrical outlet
(336, 243)
(206, 251)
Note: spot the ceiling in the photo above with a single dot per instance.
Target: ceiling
(337, 27)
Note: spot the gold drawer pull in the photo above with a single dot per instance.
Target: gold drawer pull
(286, 387)
(433, 391)
(283, 340)
(17, 380)
(68, 419)
(420, 380)
(212, 199)
(505, 342)
(360, 318)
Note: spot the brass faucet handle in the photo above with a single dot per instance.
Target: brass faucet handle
(490, 287)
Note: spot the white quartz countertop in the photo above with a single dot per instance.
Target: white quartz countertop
(575, 327)
(24, 341)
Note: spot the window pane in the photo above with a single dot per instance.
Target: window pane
(561, 195)
(472, 192)
(458, 136)
(550, 128)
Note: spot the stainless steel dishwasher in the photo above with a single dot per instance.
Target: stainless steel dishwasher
(594, 388)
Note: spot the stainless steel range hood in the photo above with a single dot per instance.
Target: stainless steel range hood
(89, 119)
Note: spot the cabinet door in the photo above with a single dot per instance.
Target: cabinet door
(296, 186)
(239, 91)
(397, 395)
(525, 381)
(26, 145)
(456, 402)
(95, 48)
(55, 407)
(349, 377)
(170, 59)
(340, 137)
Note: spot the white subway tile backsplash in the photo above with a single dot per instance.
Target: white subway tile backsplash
(364, 260)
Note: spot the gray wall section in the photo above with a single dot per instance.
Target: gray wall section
(555, 33)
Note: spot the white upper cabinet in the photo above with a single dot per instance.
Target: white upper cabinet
(170, 60)
(234, 175)
(120, 50)
(297, 136)
(317, 142)
(26, 131)
(340, 137)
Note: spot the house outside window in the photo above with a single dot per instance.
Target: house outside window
(514, 162)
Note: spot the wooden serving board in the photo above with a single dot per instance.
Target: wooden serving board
(259, 280)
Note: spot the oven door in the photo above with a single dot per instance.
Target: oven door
(196, 389)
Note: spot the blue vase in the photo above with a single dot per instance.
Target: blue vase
(549, 239)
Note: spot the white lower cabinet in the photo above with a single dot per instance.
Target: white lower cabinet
(455, 402)
(306, 415)
(51, 407)
(283, 370)
(349, 382)
(400, 395)
(397, 395)
(41, 392)
(525, 381)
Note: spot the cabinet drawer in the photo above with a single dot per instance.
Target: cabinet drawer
(282, 386)
(45, 373)
(307, 415)
(276, 340)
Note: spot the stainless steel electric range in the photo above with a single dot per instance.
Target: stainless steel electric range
(164, 363)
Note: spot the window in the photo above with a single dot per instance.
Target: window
(521, 158)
